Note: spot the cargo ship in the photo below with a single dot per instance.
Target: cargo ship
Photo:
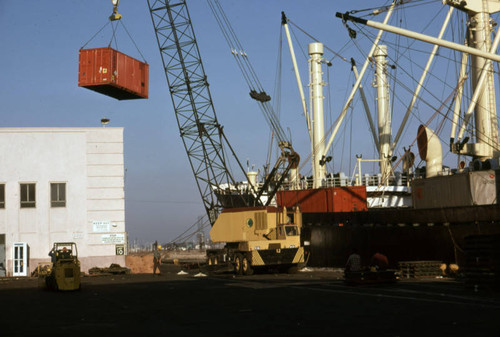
(407, 212)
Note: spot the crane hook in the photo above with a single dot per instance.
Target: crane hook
(115, 16)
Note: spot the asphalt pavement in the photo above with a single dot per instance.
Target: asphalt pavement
(310, 303)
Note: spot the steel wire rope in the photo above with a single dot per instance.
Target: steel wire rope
(365, 55)
(246, 67)
(278, 77)
(461, 118)
(424, 88)
(233, 49)
(231, 45)
(336, 54)
(335, 143)
(186, 236)
(299, 44)
(305, 57)
(267, 109)
(343, 148)
(350, 137)
(449, 59)
(114, 28)
(410, 90)
(238, 44)
(276, 93)
(329, 106)
(133, 41)
(304, 54)
(183, 233)
(401, 6)
(436, 113)
(190, 235)
(113, 36)
(100, 30)
(408, 49)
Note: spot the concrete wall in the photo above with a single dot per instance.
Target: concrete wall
(90, 162)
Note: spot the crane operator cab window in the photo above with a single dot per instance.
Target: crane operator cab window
(291, 230)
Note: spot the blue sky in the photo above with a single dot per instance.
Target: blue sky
(39, 65)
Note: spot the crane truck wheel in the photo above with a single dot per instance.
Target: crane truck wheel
(238, 262)
(246, 266)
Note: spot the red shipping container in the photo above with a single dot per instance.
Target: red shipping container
(112, 73)
(325, 200)
(348, 199)
(310, 200)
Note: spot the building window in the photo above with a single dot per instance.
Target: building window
(28, 195)
(2, 195)
(58, 194)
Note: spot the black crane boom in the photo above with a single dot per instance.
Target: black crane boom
(201, 133)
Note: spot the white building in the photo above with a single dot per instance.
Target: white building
(61, 185)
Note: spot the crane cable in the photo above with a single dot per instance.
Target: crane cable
(257, 91)
(114, 28)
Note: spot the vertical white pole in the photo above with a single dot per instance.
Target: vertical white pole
(297, 77)
(485, 110)
(458, 99)
(316, 53)
(384, 117)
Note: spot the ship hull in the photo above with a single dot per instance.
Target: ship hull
(401, 234)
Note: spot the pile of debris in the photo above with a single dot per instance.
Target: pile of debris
(113, 269)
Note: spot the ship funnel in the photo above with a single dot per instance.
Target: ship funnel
(429, 148)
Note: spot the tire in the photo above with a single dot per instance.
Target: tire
(293, 269)
(246, 266)
(238, 261)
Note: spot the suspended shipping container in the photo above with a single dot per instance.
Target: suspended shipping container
(112, 73)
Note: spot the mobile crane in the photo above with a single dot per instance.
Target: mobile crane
(255, 234)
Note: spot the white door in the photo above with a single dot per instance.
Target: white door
(20, 259)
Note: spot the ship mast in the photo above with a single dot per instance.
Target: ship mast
(315, 120)
(316, 95)
(480, 29)
(486, 150)
(384, 117)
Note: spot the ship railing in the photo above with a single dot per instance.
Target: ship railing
(341, 180)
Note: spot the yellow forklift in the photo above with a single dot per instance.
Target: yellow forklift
(64, 273)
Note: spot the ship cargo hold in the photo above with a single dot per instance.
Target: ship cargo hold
(112, 73)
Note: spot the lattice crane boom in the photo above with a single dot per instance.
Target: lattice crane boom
(202, 135)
